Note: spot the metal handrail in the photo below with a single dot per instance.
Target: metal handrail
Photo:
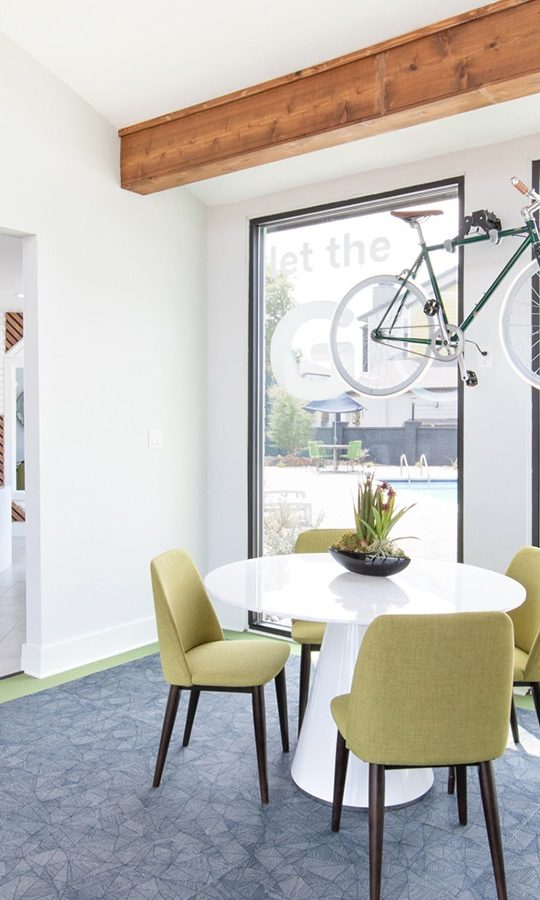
(403, 463)
(423, 462)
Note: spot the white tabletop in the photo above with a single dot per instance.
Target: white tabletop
(315, 587)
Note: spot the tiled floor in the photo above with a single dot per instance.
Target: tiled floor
(13, 610)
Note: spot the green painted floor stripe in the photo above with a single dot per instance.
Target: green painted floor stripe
(21, 685)
(525, 702)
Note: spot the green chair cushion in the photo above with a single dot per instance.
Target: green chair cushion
(520, 664)
(432, 689)
(315, 540)
(185, 617)
(307, 632)
(237, 663)
(339, 707)
(525, 568)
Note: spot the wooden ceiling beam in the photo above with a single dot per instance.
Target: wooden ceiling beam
(485, 56)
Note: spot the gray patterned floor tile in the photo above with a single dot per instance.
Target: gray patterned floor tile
(80, 820)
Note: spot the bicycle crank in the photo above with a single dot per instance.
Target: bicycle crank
(447, 343)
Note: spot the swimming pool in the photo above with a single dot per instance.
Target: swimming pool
(440, 490)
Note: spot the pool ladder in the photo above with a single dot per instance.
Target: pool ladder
(403, 464)
(423, 465)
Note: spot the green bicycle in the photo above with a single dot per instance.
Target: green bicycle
(386, 331)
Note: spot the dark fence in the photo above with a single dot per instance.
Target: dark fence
(437, 441)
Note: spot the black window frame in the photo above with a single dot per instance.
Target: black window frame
(535, 418)
(297, 218)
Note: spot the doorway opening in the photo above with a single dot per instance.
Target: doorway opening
(13, 463)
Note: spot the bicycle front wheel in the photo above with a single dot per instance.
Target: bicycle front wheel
(520, 324)
(396, 359)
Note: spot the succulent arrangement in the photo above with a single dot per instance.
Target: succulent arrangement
(375, 516)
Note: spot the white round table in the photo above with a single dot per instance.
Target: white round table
(313, 586)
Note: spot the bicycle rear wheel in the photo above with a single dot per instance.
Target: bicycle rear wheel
(520, 324)
(381, 368)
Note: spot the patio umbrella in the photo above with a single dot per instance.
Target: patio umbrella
(344, 403)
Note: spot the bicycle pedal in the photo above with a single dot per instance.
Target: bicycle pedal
(431, 307)
(471, 378)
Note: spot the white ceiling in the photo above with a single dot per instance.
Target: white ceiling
(133, 60)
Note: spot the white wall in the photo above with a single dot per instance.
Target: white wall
(497, 462)
(115, 328)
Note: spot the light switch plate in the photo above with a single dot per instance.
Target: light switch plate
(155, 438)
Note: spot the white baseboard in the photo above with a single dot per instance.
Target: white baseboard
(43, 660)
(18, 529)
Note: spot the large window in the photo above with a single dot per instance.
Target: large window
(535, 406)
(312, 434)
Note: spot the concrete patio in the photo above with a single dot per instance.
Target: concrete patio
(324, 498)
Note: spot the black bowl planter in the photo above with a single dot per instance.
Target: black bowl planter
(363, 564)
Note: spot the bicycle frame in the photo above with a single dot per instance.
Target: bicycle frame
(393, 310)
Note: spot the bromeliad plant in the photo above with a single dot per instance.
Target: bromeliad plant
(375, 516)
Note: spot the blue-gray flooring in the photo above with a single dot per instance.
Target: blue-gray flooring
(79, 818)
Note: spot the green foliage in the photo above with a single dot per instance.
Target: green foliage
(375, 516)
(278, 300)
(289, 426)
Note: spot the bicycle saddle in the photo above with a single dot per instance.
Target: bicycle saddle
(409, 214)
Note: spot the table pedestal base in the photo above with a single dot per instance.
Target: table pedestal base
(313, 764)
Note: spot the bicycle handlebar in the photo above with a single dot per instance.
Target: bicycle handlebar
(520, 186)
(523, 189)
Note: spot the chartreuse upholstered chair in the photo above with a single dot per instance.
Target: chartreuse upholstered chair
(310, 634)
(195, 657)
(525, 568)
(412, 703)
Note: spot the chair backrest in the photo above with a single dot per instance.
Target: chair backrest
(314, 450)
(185, 616)
(432, 689)
(354, 450)
(317, 540)
(525, 568)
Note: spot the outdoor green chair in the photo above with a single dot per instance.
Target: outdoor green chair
(427, 690)
(310, 634)
(325, 450)
(195, 657)
(354, 454)
(317, 453)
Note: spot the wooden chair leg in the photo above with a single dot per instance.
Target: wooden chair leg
(281, 695)
(535, 689)
(491, 814)
(168, 724)
(514, 723)
(376, 827)
(461, 782)
(190, 718)
(451, 779)
(305, 670)
(259, 724)
(340, 774)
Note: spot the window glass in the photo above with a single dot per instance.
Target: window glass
(317, 434)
